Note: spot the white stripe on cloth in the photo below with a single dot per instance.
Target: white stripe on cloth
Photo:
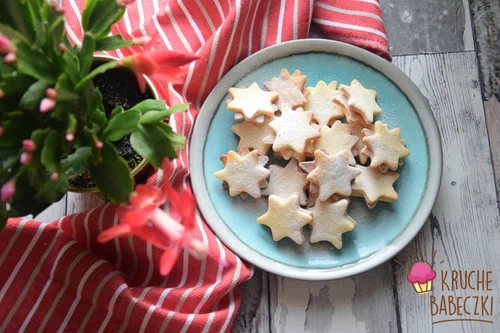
(233, 32)
(264, 28)
(130, 307)
(296, 19)
(350, 26)
(111, 306)
(28, 284)
(134, 256)
(373, 2)
(209, 290)
(86, 227)
(200, 278)
(207, 17)
(140, 11)
(192, 22)
(21, 261)
(79, 294)
(178, 30)
(12, 240)
(250, 38)
(219, 8)
(47, 284)
(231, 294)
(97, 293)
(280, 21)
(209, 65)
(149, 254)
(117, 245)
(240, 45)
(347, 11)
(61, 292)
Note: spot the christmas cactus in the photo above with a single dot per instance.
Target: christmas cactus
(52, 121)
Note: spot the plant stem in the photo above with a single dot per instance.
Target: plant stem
(99, 70)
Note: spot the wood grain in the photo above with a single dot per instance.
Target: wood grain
(79, 202)
(464, 226)
(427, 26)
(53, 212)
(486, 23)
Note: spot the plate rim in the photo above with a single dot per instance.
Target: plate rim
(403, 82)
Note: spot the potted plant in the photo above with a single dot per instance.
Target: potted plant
(56, 125)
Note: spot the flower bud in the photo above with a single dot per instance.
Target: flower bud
(51, 93)
(29, 146)
(10, 58)
(8, 190)
(99, 144)
(142, 40)
(62, 47)
(54, 176)
(25, 158)
(124, 3)
(47, 104)
(2, 93)
(1, 131)
(6, 45)
(70, 137)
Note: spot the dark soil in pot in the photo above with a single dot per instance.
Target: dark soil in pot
(118, 88)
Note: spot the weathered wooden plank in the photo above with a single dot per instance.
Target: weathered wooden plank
(53, 212)
(364, 303)
(486, 22)
(253, 315)
(464, 226)
(79, 202)
(427, 26)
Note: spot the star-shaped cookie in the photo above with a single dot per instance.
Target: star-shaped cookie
(251, 135)
(320, 102)
(293, 130)
(286, 218)
(331, 173)
(384, 147)
(374, 185)
(286, 181)
(330, 221)
(290, 89)
(361, 100)
(244, 173)
(251, 102)
(336, 139)
(351, 117)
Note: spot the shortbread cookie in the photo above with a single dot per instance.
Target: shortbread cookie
(244, 173)
(286, 218)
(361, 100)
(350, 116)
(286, 181)
(293, 130)
(384, 147)
(330, 221)
(290, 153)
(290, 89)
(374, 185)
(251, 135)
(331, 173)
(251, 103)
(336, 139)
(320, 102)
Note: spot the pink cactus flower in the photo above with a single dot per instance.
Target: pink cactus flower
(124, 3)
(7, 48)
(144, 218)
(25, 158)
(164, 64)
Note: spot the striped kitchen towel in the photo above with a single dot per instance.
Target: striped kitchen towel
(56, 278)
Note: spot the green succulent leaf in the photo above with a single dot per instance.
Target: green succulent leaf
(121, 125)
(71, 66)
(99, 70)
(154, 116)
(33, 62)
(151, 142)
(17, 15)
(77, 162)
(86, 54)
(112, 175)
(112, 43)
(53, 190)
(16, 129)
(177, 140)
(9, 158)
(99, 16)
(33, 96)
(51, 152)
(149, 105)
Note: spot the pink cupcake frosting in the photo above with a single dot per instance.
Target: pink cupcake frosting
(421, 272)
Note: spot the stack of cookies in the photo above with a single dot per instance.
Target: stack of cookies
(328, 161)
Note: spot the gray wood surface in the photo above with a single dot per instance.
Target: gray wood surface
(427, 26)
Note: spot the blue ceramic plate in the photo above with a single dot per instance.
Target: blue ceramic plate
(381, 232)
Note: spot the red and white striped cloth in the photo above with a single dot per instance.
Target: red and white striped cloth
(57, 278)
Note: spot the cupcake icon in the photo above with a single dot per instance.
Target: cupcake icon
(421, 276)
